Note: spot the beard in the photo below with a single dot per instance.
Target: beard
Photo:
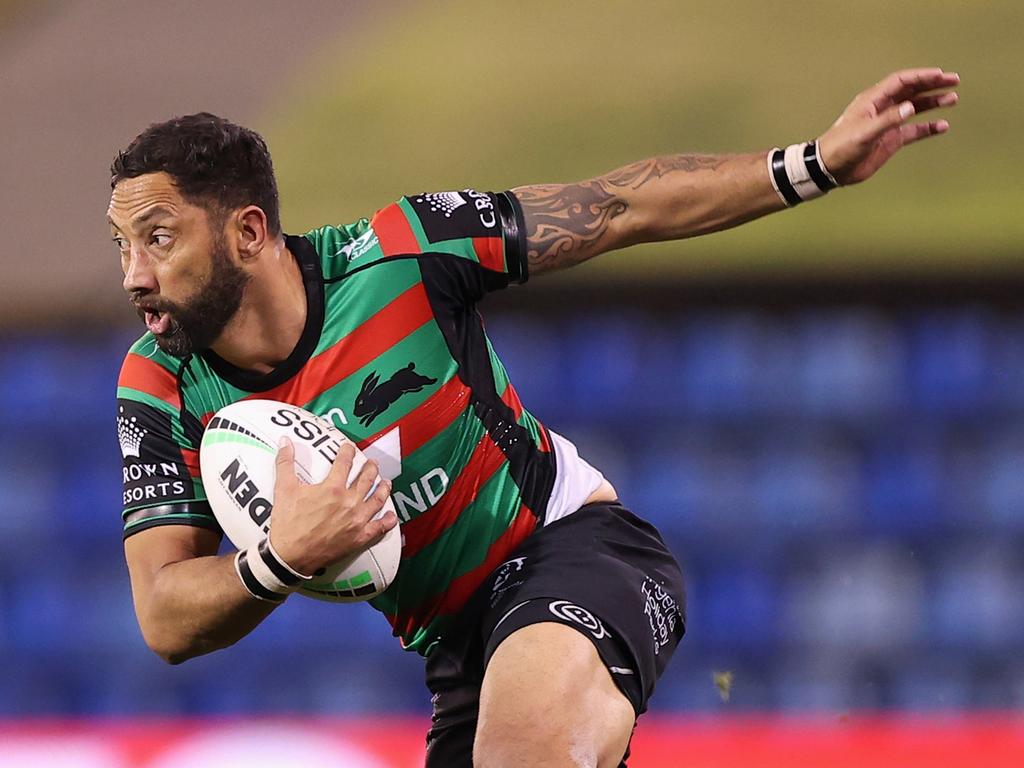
(196, 323)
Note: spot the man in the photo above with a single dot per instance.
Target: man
(546, 611)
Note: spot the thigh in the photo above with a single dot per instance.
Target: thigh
(549, 700)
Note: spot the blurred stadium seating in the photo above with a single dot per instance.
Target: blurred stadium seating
(842, 484)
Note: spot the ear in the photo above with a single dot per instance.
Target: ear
(369, 383)
(250, 231)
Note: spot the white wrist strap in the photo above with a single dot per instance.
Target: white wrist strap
(265, 575)
(798, 173)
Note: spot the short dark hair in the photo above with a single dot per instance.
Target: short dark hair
(213, 162)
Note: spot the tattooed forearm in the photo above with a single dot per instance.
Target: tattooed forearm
(565, 223)
(570, 223)
(635, 175)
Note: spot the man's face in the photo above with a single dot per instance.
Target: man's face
(179, 271)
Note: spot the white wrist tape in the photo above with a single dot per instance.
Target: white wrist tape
(797, 173)
(265, 575)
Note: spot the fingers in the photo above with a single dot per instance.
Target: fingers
(377, 529)
(383, 492)
(892, 117)
(371, 506)
(934, 100)
(285, 461)
(364, 481)
(897, 114)
(371, 527)
(909, 83)
(918, 131)
(376, 500)
(342, 467)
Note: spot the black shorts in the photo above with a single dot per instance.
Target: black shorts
(602, 571)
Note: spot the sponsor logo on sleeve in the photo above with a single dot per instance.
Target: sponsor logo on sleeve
(129, 434)
(455, 215)
(153, 470)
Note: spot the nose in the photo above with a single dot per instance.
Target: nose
(138, 275)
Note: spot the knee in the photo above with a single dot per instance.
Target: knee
(535, 744)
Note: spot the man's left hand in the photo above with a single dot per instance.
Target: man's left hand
(874, 126)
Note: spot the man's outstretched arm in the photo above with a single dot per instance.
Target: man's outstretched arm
(678, 196)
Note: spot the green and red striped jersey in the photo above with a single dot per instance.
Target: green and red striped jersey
(395, 355)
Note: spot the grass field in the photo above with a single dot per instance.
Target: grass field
(460, 93)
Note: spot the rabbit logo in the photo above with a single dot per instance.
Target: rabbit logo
(375, 397)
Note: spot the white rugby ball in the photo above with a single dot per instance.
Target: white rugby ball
(237, 458)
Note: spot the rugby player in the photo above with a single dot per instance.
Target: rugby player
(544, 608)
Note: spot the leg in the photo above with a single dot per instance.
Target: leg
(548, 700)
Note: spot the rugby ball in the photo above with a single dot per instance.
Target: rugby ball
(237, 458)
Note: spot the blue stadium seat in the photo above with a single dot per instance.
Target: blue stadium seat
(905, 490)
(39, 688)
(29, 479)
(1000, 483)
(720, 365)
(313, 626)
(1007, 359)
(103, 614)
(56, 381)
(89, 495)
(704, 484)
(930, 683)
(850, 365)
(805, 480)
(42, 609)
(976, 597)
(950, 370)
(738, 608)
(608, 356)
(806, 682)
(857, 597)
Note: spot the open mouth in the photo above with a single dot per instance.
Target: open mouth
(158, 323)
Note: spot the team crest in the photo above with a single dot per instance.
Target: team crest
(375, 397)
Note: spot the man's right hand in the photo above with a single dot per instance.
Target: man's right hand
(313, 526)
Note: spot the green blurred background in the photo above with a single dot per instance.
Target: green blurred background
(365, 101)
(492, 95)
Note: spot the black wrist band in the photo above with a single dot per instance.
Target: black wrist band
(287, 577)
(812, 160)
(251, 583)
(782, 183)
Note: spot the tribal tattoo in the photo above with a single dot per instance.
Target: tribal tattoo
(566, 222)
(569, 223)
(635, 175)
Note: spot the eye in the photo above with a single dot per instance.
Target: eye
(120, 242)
(161, 239)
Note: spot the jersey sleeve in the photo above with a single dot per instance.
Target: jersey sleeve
(483, 228)
(159, 447)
